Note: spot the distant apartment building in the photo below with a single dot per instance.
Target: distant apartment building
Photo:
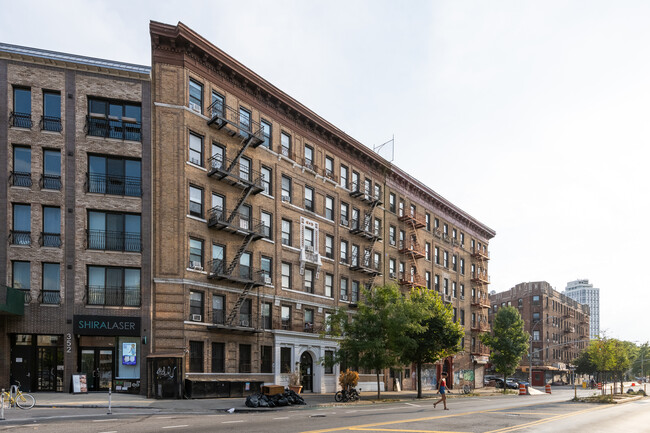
(558, 325)
(75, 206)
(585, 293)
(267, 218)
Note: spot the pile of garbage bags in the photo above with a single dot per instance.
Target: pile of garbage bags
(285, 399)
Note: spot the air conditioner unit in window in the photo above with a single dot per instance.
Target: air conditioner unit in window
(244, 323)
(196, 266)
(267, 279)
(447, 298)
(196, 317)
(195, 107)
(392, 275)
(286, 198)
(309, 248)
(344, 298)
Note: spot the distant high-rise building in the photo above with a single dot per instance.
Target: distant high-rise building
(585, 293)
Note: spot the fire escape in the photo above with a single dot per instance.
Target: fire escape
(480, 302)
(238, 173)
(411, 248)
(364, 259)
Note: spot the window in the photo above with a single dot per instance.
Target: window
(344, 214)
(436, 255)
(309, 280)
(401, 271)
(329, 208)
(355, 291)
(327, 319)
(217, 105)
(285, 315)
(446, 286)
(114, 119)
(354, 256)
(113, 286)
(196, 201)
(286, 188)
(454, 233)
(427, 220)
(196, 96)
(244, 121)
(445, 228)
(113, 231)
(377, 191)
(344, 252)
(462, 317)
(196, 356)
(51, 169)
(309, 320)
(218, 159)
(285, 360)
(196, 253)
(344, 289)
(21, 273)
(391, 268)
(245, 271)
(355, 182)
(196, 306)
(51, 288)
(427, 251)
(217, 266)
(309, 198)
(218, 309)
(536, 335)
(267, 221)
(285, 143)
(266, 180)
(535, 298)
(462, 266)
(401, 208)
(329, 246)
(454, 266)
(266, 134)
(22, 114)
(267, 359)
(536, 317)
(286, 275)
(267, 322)
(22, 226)
(377, 231)
(454, 289)
(286, 232)
(22, 172)
(115, 176)
(329, 362)
(245, 168)
(51, 111)
(462, 290)
(218, 358)
(309, 157)
(436, 282)
(51, 236)
(196, 149)
(246, 313)
(391, 202)
(391, 235)
(344, 176)
(445, 259)
(329, 282)
(266, 267)
(329, 167)
(427, 278)
(455, 310)
(462, 239)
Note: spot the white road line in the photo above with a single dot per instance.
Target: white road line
(216, 415)
(414, 405)
(162, 417)
(113, 431)
(176, 426)
(105, 420)
(231, 422)
(282, 417)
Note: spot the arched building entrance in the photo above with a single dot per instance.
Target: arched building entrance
(307, 372)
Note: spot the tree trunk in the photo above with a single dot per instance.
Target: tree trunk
(378, 388)
(419, 367)
(504, 384)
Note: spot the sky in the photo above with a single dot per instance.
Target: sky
(530, 116)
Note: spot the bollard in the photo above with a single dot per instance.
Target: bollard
(2, 405)
(110, 412)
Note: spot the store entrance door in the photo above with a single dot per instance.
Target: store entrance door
(97, 364)
(306, 370)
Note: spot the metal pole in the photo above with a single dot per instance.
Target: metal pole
(110, 412)
(2, 405)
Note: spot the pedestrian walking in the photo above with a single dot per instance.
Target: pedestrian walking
(442, 389)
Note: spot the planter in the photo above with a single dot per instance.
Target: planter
(295, 389)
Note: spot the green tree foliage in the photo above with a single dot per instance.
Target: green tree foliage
(641, 363)
(508, 341)
(607, 356)
(432, 333)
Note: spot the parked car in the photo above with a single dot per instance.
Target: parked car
(489, 380)
(509, 383)
(518, 381)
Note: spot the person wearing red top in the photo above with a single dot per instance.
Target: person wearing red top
(442, 389)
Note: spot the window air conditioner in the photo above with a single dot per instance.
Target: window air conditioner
(196, 266)
(309, 248)
(344, 298)
(392, 275)
(267, 279)
(196, 107)
(244, 323)
(196, 317)
(286, 198)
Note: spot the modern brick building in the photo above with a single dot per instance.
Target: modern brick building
(75, 206)
(266, 218)
(558, 325)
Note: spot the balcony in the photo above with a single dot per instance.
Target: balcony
(480, 277)
(113, 296)
(12, 301)
(414, 220)
(19, 178)
(50, 181)
(217, 270)
(50, 297)
(411, 280)
(49, 123)
(50, 240)
(309, 327)
(114, 241)
(114, 185)
(413, 249)
(113, 127)
(480, 327)
(363, 262)
(20, 120)
(479, 253)
(21, 237)
(224, 117)
(480, 301)
(365, 195)
(364, 229)
(233, 173)
(480, 350)
(234, 222)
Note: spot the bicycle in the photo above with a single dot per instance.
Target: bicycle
(467, 389)
(347, 395)
(16, 397)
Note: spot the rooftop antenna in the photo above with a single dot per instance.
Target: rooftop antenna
(386, 150)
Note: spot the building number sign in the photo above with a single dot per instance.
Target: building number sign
(68, 343)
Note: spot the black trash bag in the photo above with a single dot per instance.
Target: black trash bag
(282, 401)
(263, 402)
(253, 400)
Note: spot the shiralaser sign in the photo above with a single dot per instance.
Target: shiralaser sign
(106, 325)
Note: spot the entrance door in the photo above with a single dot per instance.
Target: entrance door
(307, 371)
(50, 377)
(97, 365)
(538, 378)
(22, 365)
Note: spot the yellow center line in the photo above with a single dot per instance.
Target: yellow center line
(404, 431)
(543, 421)
(527, 413)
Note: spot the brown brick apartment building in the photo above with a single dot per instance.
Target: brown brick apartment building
(75, 206)
(558, 325)
(267, 218)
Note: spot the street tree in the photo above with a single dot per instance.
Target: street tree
(508, 341)
(641, 360)
(431, 334)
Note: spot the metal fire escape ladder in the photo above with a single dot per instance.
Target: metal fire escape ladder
(240, 201)
(240, 251)
(240, 300)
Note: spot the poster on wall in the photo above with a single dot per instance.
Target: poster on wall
(79, 385)
(129, 353)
